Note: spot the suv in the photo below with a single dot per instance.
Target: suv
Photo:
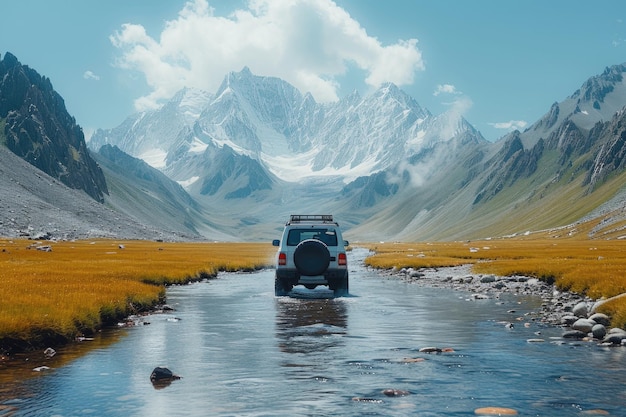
(311, 253)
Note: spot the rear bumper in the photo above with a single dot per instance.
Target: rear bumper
(293, 277)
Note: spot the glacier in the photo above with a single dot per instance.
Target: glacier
(286, 132)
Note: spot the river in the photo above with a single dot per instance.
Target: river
(241, 351)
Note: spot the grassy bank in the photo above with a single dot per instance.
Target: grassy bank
(78, 287)
(567, 257)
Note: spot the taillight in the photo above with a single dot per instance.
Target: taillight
(342, 260)
(282, 259)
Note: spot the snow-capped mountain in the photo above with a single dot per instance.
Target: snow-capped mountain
(150, 135)
(233, 165)
(258, 150)
(287, 133)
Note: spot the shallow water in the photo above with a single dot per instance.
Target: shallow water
(243, 352)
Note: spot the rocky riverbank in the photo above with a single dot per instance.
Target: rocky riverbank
(576, 314)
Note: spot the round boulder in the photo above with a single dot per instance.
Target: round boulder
(574, 334)
(599, 331)
(583, 325)
(615, 331)
(613, 339)
(601, 319)
(488, 278)
(580, 309)
(415, 273)
(615, 336)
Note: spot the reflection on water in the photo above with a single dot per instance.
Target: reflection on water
(309, 325)
(18, 368)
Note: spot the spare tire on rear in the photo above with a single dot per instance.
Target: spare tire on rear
(311, 257)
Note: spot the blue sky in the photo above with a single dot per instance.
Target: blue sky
(502, 63)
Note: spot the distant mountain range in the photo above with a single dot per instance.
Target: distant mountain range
(233, 165)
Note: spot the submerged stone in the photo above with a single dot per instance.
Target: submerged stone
(495, 411)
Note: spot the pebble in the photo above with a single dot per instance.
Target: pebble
(574, 334)
(572, 311)
(495, 411)
(395, 392)
(430, 349)
(367, 400)
(413, 360)
(596, 412)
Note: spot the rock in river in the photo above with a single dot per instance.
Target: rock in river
(395, 392)
(161, 377)
(495, 411)
(599, 331)
(600, 318)
(583, 325)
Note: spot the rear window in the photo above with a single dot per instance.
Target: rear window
(328, 236)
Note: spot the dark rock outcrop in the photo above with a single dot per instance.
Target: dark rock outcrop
(596, 88)
(36, 126)
(368, 191)
(610, 157)
(246, 173)
(510, 164)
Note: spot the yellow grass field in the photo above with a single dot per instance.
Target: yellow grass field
(566, 257)
(78, 287)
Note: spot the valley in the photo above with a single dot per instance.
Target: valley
(233, 164)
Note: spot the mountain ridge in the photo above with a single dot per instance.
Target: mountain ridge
(232, 165)
(383, 154)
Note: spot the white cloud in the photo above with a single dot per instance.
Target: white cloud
(445, 89)
(461, 105)
(89, 75)
(510, 125)
(307, 43)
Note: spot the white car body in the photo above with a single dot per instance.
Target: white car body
(311, 252)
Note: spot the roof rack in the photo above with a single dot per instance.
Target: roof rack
(299, 218)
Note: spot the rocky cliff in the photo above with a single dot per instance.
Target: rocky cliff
(38, 128)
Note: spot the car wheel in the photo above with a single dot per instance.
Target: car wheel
(311, 257)
(281, 287)
(341, 287)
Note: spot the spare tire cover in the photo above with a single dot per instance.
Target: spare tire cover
(311, 257)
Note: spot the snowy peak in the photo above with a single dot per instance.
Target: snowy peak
(272, 99)
(189, 103)
(152, 135)
(390, 95)
(287, 133)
